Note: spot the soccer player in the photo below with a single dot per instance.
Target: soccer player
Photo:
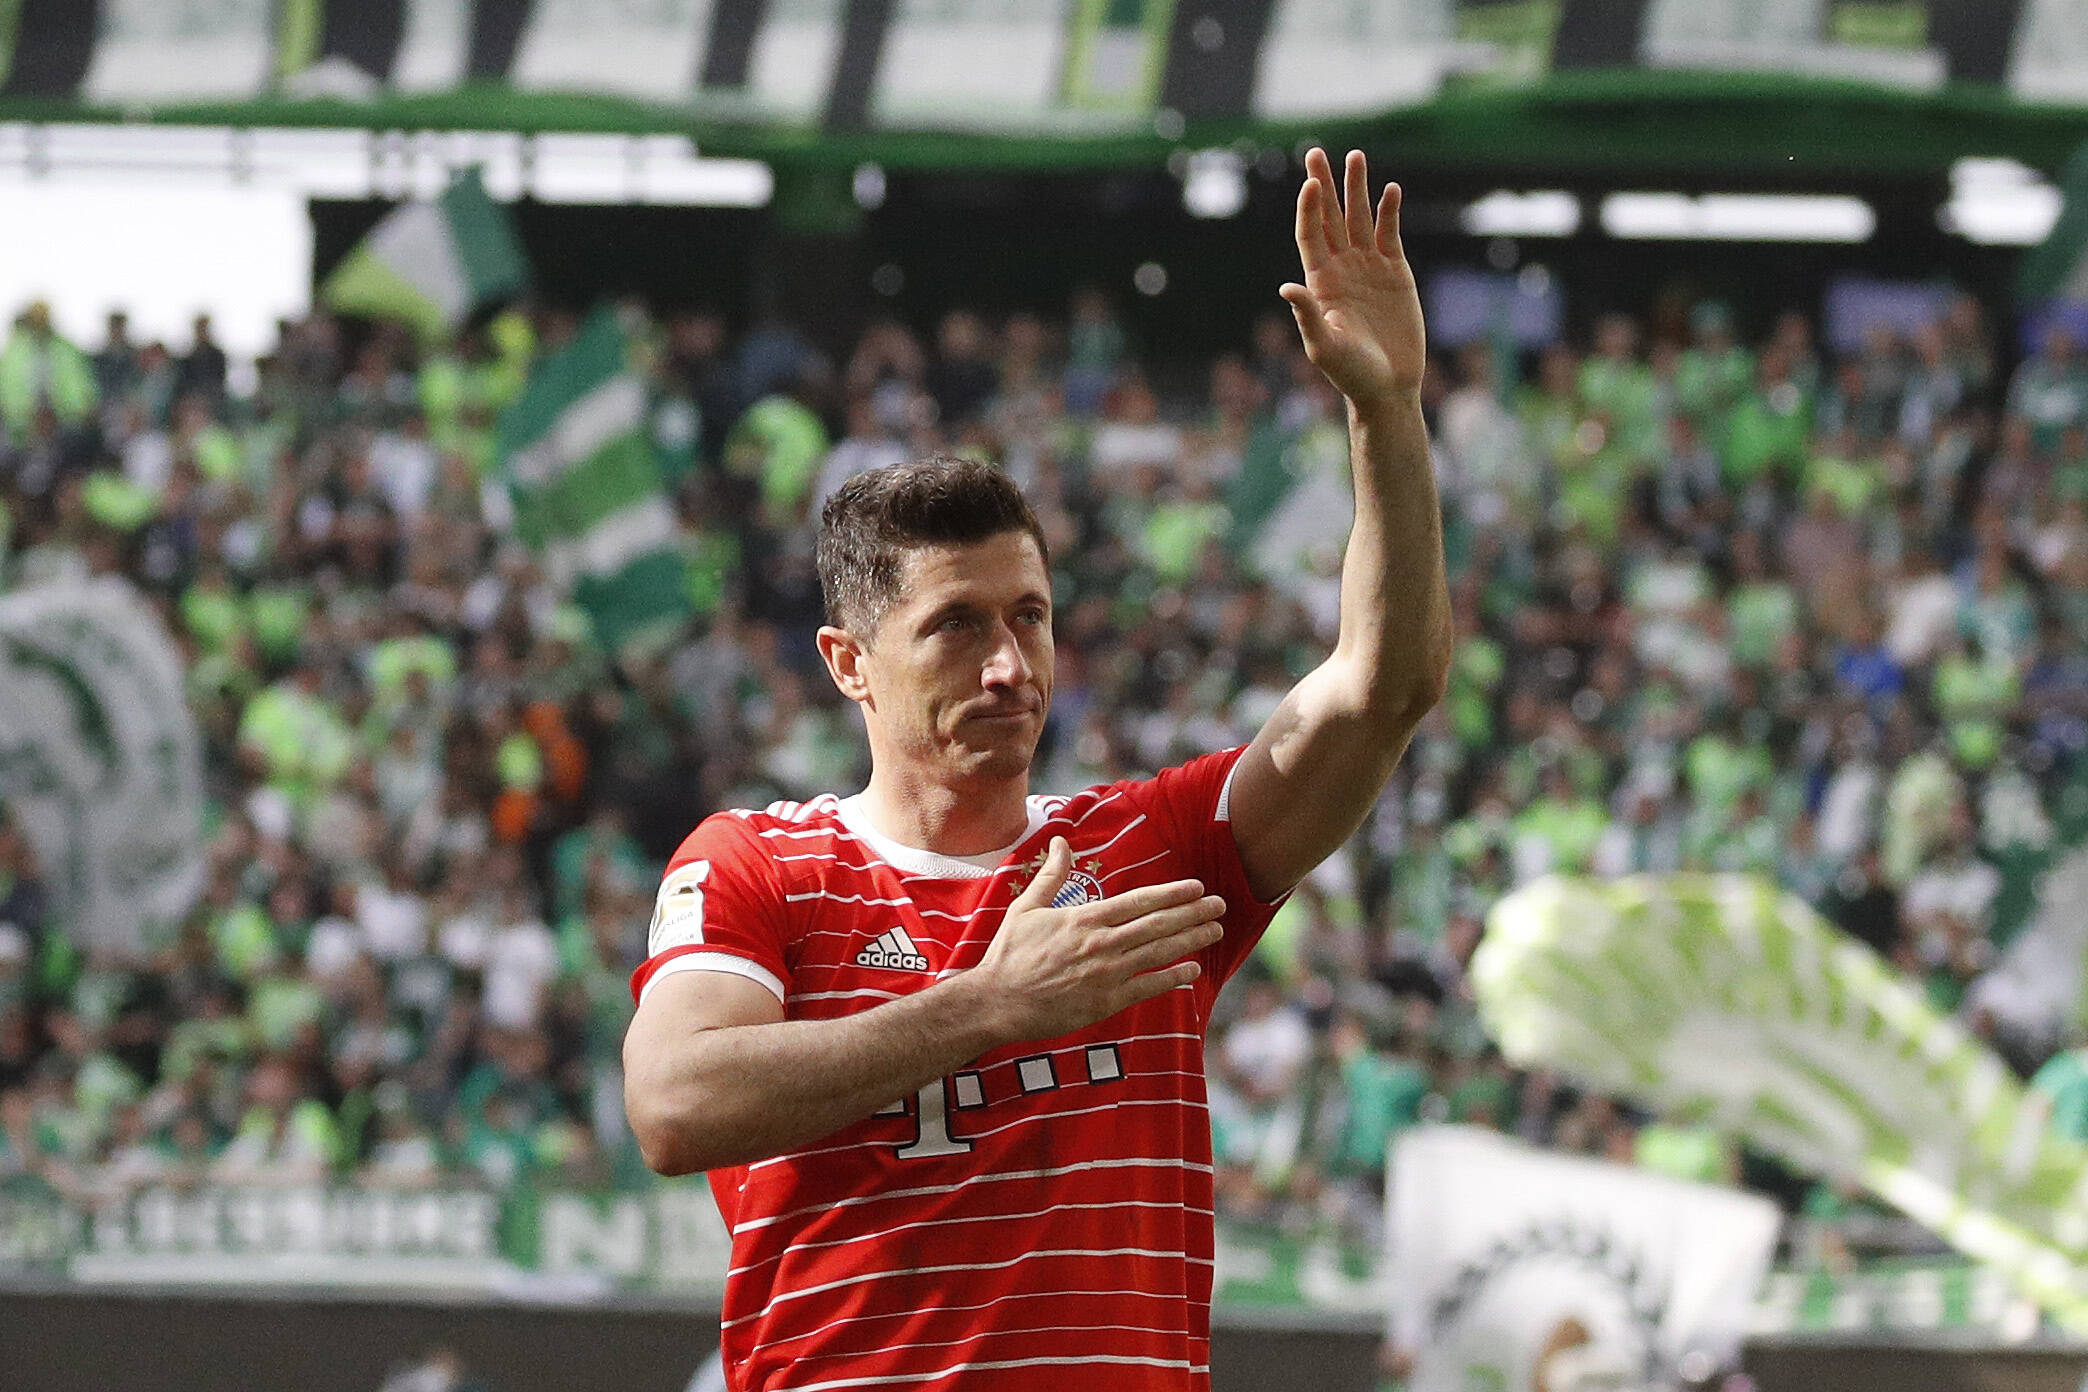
(940, 1044)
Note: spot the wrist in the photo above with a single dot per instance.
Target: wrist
(1386, 407)
(977, 1014)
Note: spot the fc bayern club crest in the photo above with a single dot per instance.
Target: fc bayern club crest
(1080, 888)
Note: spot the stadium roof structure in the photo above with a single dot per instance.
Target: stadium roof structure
(1802, 87)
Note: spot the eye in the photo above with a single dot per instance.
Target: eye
(1033, 617)
(956, 623)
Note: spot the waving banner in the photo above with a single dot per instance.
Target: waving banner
(98, 758)
(1074, 80)
(1519, 1269)
(1718, 999)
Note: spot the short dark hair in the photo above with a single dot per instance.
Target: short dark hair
(875, 518)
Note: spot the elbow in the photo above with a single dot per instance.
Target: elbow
(1403, 703)
(668, 1136)
(667, 1156)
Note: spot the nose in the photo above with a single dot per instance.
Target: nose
(1006, 664)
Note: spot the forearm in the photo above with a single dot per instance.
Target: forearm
(1395, 637)
(728, 1096)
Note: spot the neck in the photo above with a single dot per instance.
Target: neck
(964, 818)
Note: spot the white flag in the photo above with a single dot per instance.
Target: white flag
(1518, 1270)
(99, 760)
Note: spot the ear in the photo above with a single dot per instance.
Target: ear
(844, 656)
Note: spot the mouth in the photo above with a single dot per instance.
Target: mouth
(1003, 715)
(1007, 716)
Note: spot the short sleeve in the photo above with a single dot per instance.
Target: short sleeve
(1191, 804)
(717, 910)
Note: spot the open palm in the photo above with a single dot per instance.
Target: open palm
(1358, 310)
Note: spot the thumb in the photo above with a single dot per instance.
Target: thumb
(1058, 863)
(1312, 320)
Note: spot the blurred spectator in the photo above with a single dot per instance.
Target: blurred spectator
(40, 373)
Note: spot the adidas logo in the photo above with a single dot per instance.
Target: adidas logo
(894, 951)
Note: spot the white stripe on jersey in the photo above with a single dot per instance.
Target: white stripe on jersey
(997, 1333)
(1190, 1103)
(853, 934)
(821, 855)
(794, 1248)
(1090, 811)
(874, 903)
(991, 1177)
(780, 834)
(923, 1379)
(1127, 869)
(866, 991)
(1170, 1297)
(885, 1275)
(1121, 831)
(1076, 1050)
(844, 899)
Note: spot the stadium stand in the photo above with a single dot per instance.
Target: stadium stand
(1728, 600)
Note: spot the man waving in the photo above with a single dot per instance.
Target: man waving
(940, 1043)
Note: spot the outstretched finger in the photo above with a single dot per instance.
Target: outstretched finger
(1312, 242)
(1175, 947)
(1388, 220)
(1356, 199)
(1119, 909)
(1318, 170)
(1165, 923)
(1312, 320)
(1151, 984)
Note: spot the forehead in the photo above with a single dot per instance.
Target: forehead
(997, 571)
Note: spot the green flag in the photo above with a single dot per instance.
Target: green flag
(1717, 999)
(2058, 268)
(431, 264)
(587, 487)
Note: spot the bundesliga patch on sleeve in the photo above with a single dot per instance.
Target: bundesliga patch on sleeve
(677, 919)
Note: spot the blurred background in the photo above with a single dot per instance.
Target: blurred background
(342, 754)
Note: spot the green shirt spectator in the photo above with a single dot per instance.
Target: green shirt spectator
(2050, 390)
(1770, 429)
(39, 369)
(1475, 674)
(1974, 695)
(303, 745)
(780, 443)
(1176, 533)
(1622, 391)
(277, 612)
(1714, 373)
(1564, 825)
(1383, 1093)
(1695, 1153)
(1760, 616)
(2063, 1084)
(280, 1005)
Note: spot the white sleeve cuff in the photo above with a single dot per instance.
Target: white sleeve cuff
(713, 962)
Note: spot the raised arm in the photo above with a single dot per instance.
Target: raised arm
(1318, 765)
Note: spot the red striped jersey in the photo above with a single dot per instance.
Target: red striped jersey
(1043, 1214)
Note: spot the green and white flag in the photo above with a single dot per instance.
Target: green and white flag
(2057, 269)
(100, 763)
(1718, 999)
(586, 484)
(431, 264)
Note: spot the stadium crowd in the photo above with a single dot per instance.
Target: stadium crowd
(1726, 600)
